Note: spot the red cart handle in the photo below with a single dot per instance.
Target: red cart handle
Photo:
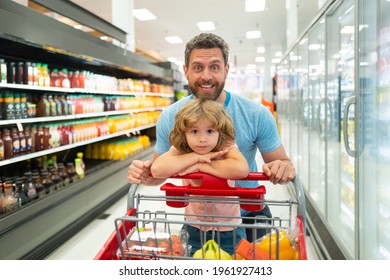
(214, 186)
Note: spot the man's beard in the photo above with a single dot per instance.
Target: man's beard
(197, 91)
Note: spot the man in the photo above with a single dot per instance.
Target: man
(206, 69)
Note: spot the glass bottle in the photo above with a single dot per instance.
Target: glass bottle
(27, 136)
(9, 200)
(17, 108)
(1, 148)
(46, 139)
(54, 79)
(23, 106)
(21, 198)
(7, 142)
(30, 190)
(63, 174)
(3, 71)
(52, 105)
(22, 141)
(56, 178)
(43, 106)
(37, 185)
(8, 106)
(38, 139)
(15, 142)
(78, 168)
(71, 172)
(47, 182)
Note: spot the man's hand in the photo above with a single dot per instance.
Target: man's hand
(279, 172)
(139, 172)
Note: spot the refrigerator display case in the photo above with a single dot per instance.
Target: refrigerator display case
(346, 114)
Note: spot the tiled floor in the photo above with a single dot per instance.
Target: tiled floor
(86, 243)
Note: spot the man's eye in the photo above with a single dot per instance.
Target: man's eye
(215, 68)
(197, 68)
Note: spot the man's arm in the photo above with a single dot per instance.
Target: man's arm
(278, 166)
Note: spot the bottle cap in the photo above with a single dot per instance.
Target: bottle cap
(80, 155)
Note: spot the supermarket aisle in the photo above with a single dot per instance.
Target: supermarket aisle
(86, 243)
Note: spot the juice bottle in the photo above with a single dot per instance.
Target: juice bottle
(54, 78)
(1, 148)
(3, 71)
(46, 75)
(78, 168)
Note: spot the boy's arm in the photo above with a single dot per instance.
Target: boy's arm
(172, 163)
(233, 166)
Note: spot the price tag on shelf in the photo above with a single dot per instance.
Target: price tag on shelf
(19, 126)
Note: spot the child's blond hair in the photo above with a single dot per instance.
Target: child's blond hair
(202, 109)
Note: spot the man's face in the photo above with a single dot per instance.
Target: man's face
(206, 73)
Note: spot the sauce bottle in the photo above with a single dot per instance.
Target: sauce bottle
(71, 172)
(46, 138)
(22, 141)
(63, 174)
(29, 188)
(47, 182)
(7, 142)
(38, 139)
(43, 106)
(79, 170)
(27, 136)
(37, 185)
(21, 198)
(8, 106)
(3, 71)
(15, 142)
(9, 200)
(1, 148)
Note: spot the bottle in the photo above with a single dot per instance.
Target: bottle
(1, 148)
(8, 106)
(46, 75)
(27, 136)
(23, 106)
(35, 73)
(43, 106)
(9, 200)
(38, 139)
(46, 139)
(7, 142)
(37, 185)
(21, 198)
(71, 172)
(15, 142)
(78, 168)
(56, 178)
(11, 72)
(63, 174)
(22, 141)
(65, 82)
(54, 78)
(17, 108)
(30, 190)
(47, 182)
(80, 156)
(52, 105)
(3, 71)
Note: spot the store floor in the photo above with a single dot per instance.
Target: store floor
(87, 242)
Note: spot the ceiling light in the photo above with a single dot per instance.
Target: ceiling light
(172, 59)
(278, 54)
(104, 38)
(314, 47)
(78, 26)
(143, 14)
(174, 39)
(205, 25)
(254, 5)
(348, 29)
(261, 50)
(253, 34)
(260, 59)
(276, 60)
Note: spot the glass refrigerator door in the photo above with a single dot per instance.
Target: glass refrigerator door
(340, 134)
(304, 113)
(374, 108)
(316, 83)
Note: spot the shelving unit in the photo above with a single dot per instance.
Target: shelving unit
(33, 231)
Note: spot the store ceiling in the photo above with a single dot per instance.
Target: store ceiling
(179, 17)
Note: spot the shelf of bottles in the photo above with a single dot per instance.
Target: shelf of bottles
(45, 111)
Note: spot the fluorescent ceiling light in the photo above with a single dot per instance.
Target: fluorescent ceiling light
(205, 25)
(143, 14)
(276, 60)
(78, 26)
(314, 47)
(174, 39)
(260, 59)
(278, 54)
(253, 34)
(104, 38)
(348, 29)
(254, 5)
(261, 50)
(172, 59)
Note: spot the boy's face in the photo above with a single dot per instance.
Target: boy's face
(202, 137)
(206, 73)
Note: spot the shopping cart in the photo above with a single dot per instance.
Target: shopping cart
(145, 234)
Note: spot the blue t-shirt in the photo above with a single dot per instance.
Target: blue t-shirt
(253, 122)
